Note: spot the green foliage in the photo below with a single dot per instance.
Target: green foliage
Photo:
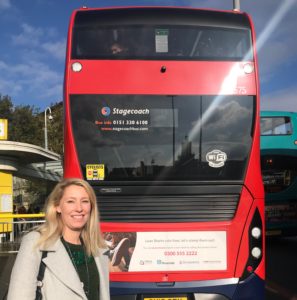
(26, 124)
(6, 109)
(55, 129)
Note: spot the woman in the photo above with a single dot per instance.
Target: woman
(76, 265)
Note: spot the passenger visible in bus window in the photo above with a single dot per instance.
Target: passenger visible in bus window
(68, 247)
(117, 48)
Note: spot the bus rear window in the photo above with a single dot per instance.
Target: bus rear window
(160, 42)
(276, 126)
(162, 138)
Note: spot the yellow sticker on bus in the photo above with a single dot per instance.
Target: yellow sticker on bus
(95, 172)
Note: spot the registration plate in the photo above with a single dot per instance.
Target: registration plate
(167, 298)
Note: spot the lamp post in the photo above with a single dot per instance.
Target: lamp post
(50, 117)
(236, 5)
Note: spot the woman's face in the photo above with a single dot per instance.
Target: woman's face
(75, 208)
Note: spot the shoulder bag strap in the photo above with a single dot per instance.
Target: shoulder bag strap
(40, 276)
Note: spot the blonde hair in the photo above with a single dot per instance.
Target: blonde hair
(51, 230)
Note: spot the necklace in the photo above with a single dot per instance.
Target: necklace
(77, 261)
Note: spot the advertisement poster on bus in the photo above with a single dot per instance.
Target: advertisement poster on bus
(167, 251)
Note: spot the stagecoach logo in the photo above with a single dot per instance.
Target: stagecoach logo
(216, 158)
(105, 111)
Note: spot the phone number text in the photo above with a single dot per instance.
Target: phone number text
(130, 122)
(180, 253)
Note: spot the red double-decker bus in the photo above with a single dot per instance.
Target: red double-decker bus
(162, 119)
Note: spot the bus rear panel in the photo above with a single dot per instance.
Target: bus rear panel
(279, 170)
(162, 119)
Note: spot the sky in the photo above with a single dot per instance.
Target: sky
(33, 40)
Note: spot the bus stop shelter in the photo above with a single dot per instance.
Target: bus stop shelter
(27, 161)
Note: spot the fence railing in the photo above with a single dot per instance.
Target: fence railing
(13, 227)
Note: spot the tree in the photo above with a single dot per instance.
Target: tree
(6, 110)
(26, 126)
(55, 129)
(23, 122)
(6, 107)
